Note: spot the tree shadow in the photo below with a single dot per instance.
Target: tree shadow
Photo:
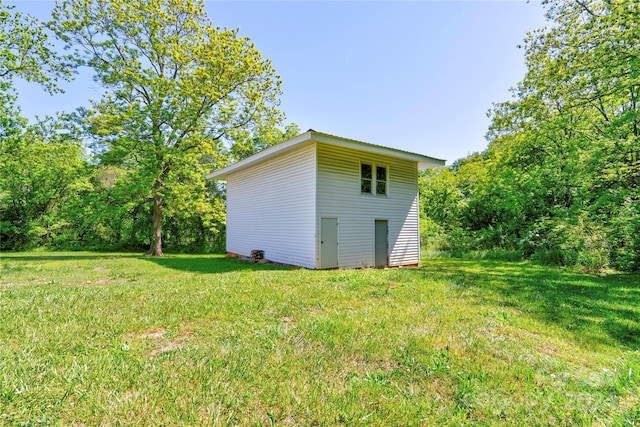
(591, 306)
(208, 264)
(211, 264)
(66, 257)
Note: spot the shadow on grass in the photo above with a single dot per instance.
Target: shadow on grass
(210, 264)
(592, 306)
(66, 257)
(192, 263)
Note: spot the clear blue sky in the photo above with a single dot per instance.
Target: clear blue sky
(418, 76)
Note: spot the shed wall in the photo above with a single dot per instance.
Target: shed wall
(338, 195)
(271, 206)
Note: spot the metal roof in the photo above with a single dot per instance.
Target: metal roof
(310, 136)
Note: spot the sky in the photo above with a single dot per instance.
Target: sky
(413, 75)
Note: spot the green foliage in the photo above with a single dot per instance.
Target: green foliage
(432, 234)
(246, 142)
(176, 89)
(441, 197)
(26, 52)
(560, 178)
(39, 167)
(182, 97)
(112, 213)
(41, 170)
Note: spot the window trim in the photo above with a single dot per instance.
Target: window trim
(386, 180)
(371, 180)
(374, 179)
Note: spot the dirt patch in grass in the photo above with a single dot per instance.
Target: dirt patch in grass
(98, 282)
(365, 366)
(628, 401)
(163, 340)
(153, 333)
(289, 421)
(168, 347)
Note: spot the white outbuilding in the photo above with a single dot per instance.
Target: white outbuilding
(321, 201)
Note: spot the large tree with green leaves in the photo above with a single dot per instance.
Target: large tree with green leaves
(176, 88)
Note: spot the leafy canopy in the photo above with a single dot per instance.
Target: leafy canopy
(560, 180)
(27, 52)
(37, 164)
(176, 89)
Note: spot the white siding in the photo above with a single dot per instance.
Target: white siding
(339, 197)
(271, 206)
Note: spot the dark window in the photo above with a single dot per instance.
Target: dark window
(365, 178)
(381, 180)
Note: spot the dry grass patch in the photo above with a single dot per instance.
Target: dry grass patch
(161, 340)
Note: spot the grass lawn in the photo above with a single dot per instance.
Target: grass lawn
(120, 339)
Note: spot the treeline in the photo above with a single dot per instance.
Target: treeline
(559, 181)
(180, 98)
(55, 194)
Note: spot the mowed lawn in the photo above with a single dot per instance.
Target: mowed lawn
(122, 339)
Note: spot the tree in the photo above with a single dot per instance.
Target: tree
(560, 179)
(246, 143)
(28, 159)
(39, 171)
(176, 89)
(572, 133)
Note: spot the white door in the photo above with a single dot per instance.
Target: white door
(329, 243)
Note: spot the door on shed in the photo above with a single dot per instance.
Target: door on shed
(382, 243)
(329, 243)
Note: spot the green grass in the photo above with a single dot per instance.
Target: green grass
(121, 339)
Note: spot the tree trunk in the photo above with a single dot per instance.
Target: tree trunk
(156, 245)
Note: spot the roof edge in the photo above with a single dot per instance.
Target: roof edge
(424, 162)
(427, 161)
(266, 153)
